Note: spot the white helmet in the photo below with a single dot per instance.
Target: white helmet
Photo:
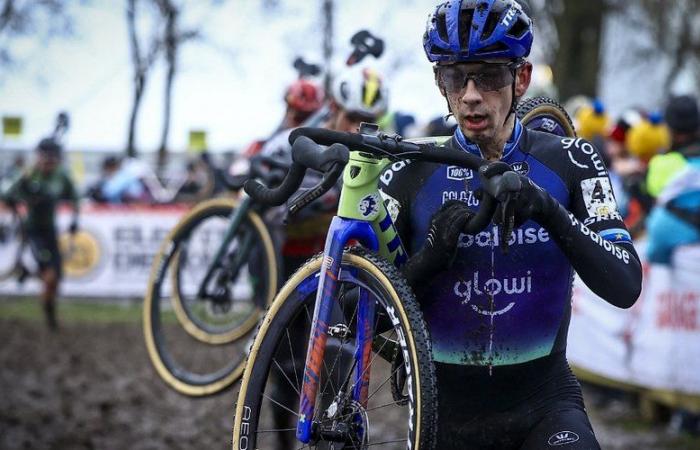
(361, 90)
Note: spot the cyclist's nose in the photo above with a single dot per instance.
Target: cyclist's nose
(470, 94)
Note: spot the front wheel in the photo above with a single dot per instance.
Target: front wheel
(400, 412)
(196, 337)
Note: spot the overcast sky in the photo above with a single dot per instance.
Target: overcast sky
(229, 84)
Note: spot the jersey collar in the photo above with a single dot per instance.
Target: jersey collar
(471, 147)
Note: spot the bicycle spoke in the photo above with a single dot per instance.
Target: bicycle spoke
(294, 360)
(383, 406)
(280, 405)
(285, 376)
(383, 383)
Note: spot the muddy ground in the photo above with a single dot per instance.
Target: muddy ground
(91, 386)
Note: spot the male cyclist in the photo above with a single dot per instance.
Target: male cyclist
(359, 95)
(40, 189)
(498, 320)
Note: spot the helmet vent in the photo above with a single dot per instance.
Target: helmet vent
(465, 23)
(490, 25)
(518, 29)
(440, 22)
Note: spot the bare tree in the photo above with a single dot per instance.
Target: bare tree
(673, 27)
(142, 61)
(573, 46)
(172, 39)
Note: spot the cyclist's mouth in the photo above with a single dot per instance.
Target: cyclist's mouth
(475, 122)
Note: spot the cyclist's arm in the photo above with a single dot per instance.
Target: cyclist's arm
(593, 236)
(14, 193)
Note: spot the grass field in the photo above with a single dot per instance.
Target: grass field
(77, 311)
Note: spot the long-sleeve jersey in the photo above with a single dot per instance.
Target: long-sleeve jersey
(492, 308)
(41, 193)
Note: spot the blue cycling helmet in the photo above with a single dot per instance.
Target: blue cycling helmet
(477, 30)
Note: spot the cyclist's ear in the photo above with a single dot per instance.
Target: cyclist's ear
(523, 76)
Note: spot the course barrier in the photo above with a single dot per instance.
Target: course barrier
(654, 346)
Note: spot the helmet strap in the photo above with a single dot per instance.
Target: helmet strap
(449, 110)
(513, 101)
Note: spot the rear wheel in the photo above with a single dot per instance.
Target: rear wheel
(545, 114)
(195, 338)
(401, 409)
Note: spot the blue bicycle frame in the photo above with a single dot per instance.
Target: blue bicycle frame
(361, 217)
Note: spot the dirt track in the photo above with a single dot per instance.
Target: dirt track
(92, 387)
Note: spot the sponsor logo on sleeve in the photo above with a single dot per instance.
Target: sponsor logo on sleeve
(582, 154)
(588, 221)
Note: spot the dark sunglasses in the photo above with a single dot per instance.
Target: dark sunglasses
(489, 77)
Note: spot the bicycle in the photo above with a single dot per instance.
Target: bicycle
(382, 298)
(219, 268)
(378, 331)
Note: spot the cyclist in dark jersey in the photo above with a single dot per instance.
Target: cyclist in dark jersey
(40, 189)
(498, 320)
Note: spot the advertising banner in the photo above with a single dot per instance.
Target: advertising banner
(110, 256)
(656, 343)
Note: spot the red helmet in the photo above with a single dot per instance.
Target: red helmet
(304, 96)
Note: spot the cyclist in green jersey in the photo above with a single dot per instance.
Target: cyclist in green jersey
(40, 189)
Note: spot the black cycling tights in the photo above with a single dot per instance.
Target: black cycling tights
(537, 408)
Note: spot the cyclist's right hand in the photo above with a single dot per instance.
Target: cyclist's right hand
(445, 227)
(440, 247)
